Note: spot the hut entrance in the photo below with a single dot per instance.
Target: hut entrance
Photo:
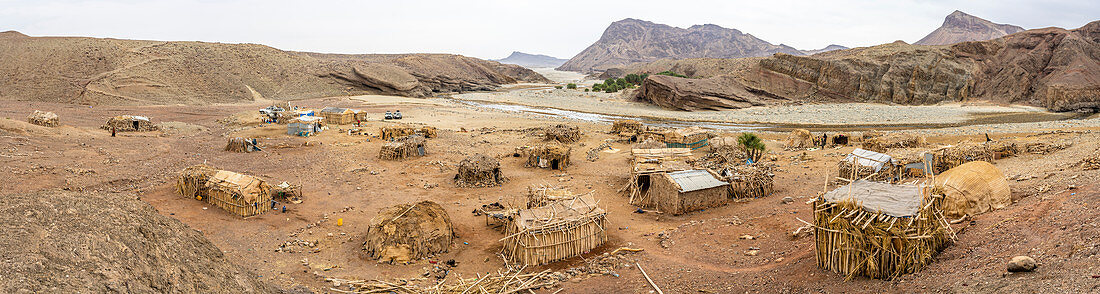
(136, 125)
(840, 140)
(643, 184)
(554, 164)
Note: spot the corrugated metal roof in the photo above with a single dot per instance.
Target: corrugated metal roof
(694, 180)
(869, 158)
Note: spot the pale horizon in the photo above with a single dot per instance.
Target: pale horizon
(494, 29)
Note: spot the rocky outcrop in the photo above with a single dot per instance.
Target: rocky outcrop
(532, 60)
(960, 27)
(110, 71)
(630, 40)
(702, 94)
(832, 47)
(1053, 68)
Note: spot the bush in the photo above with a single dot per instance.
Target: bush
(570, 86)
(557, 87)
(670, 73)
(586, 89)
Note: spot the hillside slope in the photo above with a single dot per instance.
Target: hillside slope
(68, 242)
(111, 71)
(532, 60)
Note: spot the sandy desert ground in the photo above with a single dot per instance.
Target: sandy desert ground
(1053, 220)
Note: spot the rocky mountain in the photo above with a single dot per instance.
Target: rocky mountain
(532, 60)
(112, 71)
(961, 27)
(1052, 67)
(826, 49)
(630, 40)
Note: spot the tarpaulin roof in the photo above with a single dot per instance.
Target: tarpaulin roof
(869, 158)
(694, 180)
(894, 200)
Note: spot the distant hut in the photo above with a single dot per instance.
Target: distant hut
(407, 232)
(879, 230)
(479, 171)
(552, 156)
(44, 118)
(405, 147)
(556, 231)
(973, 188)
(239, 194)
(869, 165)
(305, 126)
(539, 196)
(951, 156)
(338, 115)
(562, 133)
(693, 137)
(129, 123)
(399, 131)
(627, 130)
(242, 145)
(883, 142)
(800, 139)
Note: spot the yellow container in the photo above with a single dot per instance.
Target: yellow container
(339, 222)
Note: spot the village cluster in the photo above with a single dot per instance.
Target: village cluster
(886, 211)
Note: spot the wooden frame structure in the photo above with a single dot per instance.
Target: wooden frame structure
(556, 231)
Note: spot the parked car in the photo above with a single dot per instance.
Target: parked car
(397, 114)
(389, 115)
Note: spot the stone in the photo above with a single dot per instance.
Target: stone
(1022, 264)
(787, 200)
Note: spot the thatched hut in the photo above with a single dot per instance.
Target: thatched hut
(748, 181)
(338, 115)
(407, 232)
(399, 131)
(556, 231)
(408, 146)
(242, 145)
(562, 133)
(973, 188)
(880, 142)
(552, 156)
(879, 230)
(951, 156)
(681, 192)
(627, 130)
(129, 123)
(800, 139)
(44, 118)
(693, 138)
(539, 196)
(479, 171)
(239, 194)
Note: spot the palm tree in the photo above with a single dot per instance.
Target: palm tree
(752, 145)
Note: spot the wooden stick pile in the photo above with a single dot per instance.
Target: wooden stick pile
(508, 282)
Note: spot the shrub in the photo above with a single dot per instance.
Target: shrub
(670, 73)
(557, 87)
(570, 86)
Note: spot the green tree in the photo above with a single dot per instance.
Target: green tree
(570, 86)
(752, 145)
(557, 87)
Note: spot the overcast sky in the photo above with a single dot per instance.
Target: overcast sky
(493, 29)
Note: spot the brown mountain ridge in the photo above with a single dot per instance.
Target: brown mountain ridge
(1054, 68)
(961, 27)
(113, 71)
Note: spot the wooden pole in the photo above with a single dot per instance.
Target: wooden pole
(654, 285)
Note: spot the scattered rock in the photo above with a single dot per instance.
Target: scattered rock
(1022, 264)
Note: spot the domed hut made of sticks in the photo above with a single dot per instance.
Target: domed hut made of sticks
(479, 171)
(44, 118)
(880, 142)
(562, 133)
(800, 139)
(973, 188)
(407, 232)
(879, 230)
(552, 156)
(405, 147)
(692, 137)
(129, 123)
(240, 194)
